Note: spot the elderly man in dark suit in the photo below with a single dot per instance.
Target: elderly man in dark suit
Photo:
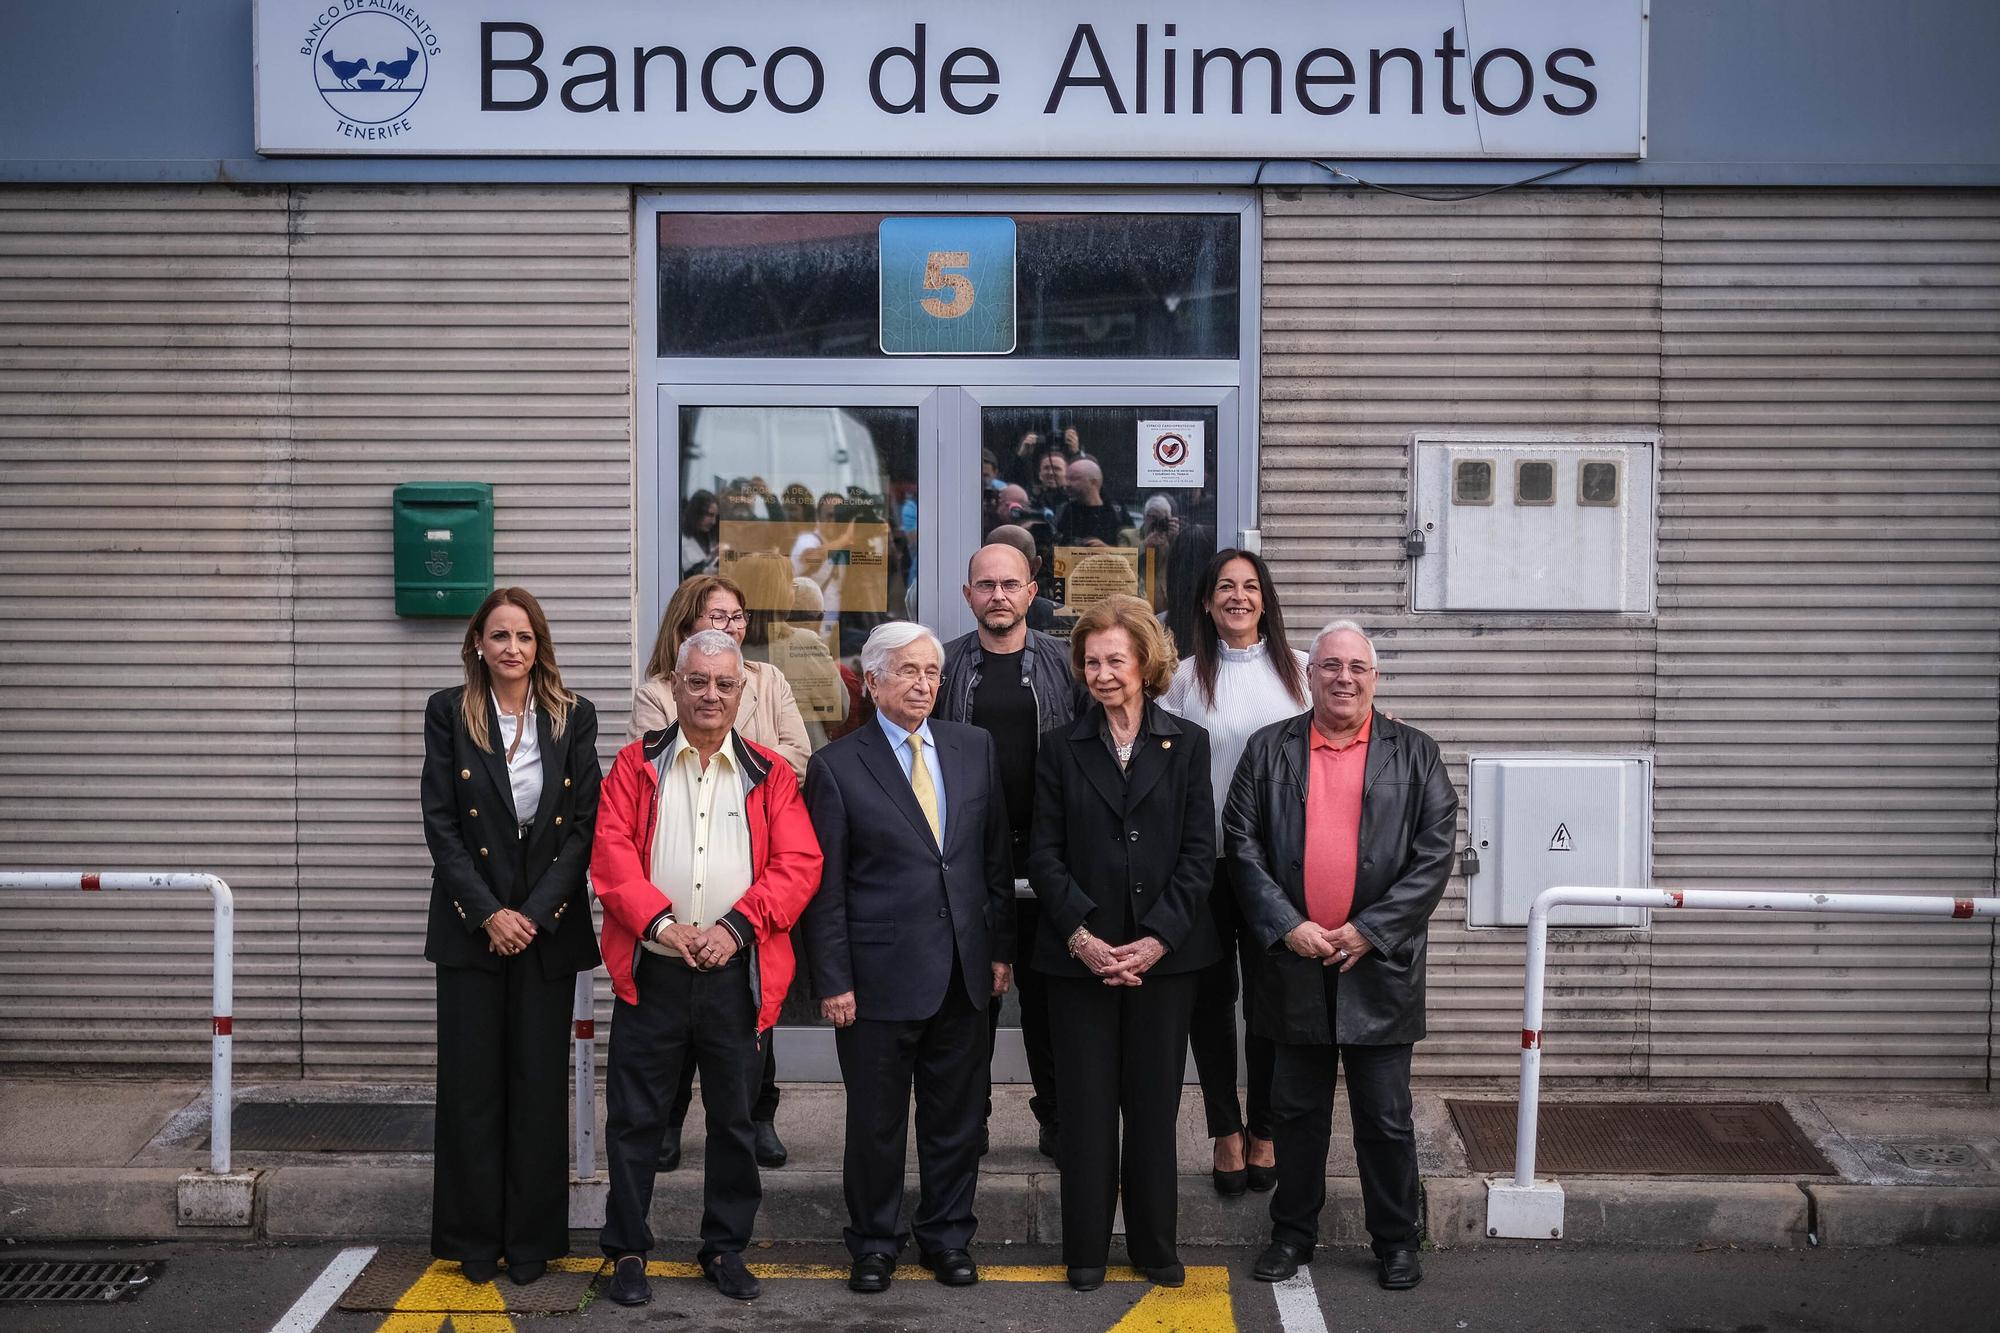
(909, 938)
(1338, 831)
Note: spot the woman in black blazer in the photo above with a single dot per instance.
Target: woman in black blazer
(510, 800)
(1122, 857)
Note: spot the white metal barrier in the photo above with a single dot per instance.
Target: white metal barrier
(1533, 1209)
(222, 1035)
(583, 1031)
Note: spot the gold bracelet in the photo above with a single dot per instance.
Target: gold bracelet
(1076, 936)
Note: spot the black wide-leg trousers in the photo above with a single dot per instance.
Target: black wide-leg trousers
(683, 1015)
(1121, 1052)
(1212, 1037)
(500, 1161)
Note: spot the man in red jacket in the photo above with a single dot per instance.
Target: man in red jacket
(704, 857)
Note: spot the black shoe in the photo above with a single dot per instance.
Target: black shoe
(1049, 1142)
(870, 1273)
(1279, 1261)
(954, 1268)
(528, 1270)
(730, 1276)
(628, 1281)
(479, 1271)
(1261, 1178)
(1399, 1270)
(670, 1149)
(1086, 1279)
(1230, 1184)
(1164, 1275)
(770, 1148)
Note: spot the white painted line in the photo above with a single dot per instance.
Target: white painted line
(328, 1287)
(1298, 1304)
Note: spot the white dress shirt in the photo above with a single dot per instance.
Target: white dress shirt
(899, 742)
(524, 766)
(701, 845)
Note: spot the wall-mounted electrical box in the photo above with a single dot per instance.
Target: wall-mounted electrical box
(1537, 821)
(444, 547)
(1519, 523)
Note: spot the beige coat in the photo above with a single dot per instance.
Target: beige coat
(768, 715)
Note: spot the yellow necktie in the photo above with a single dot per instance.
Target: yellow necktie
(920, 784)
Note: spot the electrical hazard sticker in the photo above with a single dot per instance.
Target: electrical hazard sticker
(1562, 841)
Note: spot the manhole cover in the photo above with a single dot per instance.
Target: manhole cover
(50, 1280)
(333, 1126)
(1931, 1156)
(1643, 1139)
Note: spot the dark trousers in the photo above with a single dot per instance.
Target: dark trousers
(764, 1109)
(501, 1157)
(945, 1056)
(683, 1015)
(1213, 1035)
(1120, 1052)
(1385, 1139)
(1031, 990)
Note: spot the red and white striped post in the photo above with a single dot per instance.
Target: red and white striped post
(1529, 1208)
(222, 1025)
(583, 1032)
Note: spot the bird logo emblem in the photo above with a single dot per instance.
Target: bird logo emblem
(370, 67)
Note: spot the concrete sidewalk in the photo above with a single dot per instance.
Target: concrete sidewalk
(100, 1159)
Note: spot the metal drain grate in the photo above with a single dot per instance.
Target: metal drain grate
(1643, 1139)
(51, 1280)
(334, 1126)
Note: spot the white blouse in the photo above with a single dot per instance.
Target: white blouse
(1248, 697)
(524, 766)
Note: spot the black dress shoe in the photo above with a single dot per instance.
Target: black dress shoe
(870, 1273)
(1165, 1275)
(954, 1268)
(1230, 1184)
(628, 1281)
(770, 1148)
(730, 1275)
(1086, 1279)
(479, 1271)
(1262, 1178)
(1049, 1141)
(1399, 1270)
(670, 1149)
(528, 1270)
(1279, 1261)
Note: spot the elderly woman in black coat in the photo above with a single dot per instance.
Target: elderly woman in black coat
(510, 801)
(1122, 858)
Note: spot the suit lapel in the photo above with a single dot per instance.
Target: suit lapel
(1096, 761)
(1151, 761)
(553, 763)
(1383, 744)
(956, 774)
(884, 767)
(495, 759)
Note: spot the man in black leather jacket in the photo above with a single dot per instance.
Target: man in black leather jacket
(1338, 831)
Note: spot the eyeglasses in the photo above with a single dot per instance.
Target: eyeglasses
(1334, 668)
(911, 673)
(987, 587)
(726, 686)
(727, 619)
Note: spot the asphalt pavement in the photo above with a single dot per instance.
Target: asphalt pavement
(1513, 1288)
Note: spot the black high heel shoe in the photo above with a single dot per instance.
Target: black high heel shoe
(1260, 1178)
(1232, 1184)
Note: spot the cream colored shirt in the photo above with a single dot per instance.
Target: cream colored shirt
(701, 845)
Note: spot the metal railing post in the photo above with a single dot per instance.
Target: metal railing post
(583, 1028)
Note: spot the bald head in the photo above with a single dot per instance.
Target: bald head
(1010, 535)
(1085, 480)
(999, 587)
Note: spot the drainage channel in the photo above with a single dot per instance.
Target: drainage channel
(73, 1282)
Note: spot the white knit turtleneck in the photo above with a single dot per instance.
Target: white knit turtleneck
(1248, 697)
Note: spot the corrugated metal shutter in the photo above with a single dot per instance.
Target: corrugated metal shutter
(1829, 631)
(206, 397)
(145, 589)
(457, 334)
(1528, 310)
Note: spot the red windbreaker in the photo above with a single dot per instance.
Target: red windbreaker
(784, 864)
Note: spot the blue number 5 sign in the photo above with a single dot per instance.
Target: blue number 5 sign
(947, 286)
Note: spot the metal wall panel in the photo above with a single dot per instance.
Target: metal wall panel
(1522, 311)
(145, 587)
(1829, 633)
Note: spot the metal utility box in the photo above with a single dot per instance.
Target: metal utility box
(1519, 523)
(1542, 820)
(444, 547)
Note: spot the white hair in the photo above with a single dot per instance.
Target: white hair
(889, 638)
(708, 643)
(1343, 627)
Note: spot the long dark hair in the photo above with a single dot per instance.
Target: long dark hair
(1208, 643)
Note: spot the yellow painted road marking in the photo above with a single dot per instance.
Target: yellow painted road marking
(443, 1287)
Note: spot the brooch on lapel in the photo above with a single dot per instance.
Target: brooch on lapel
(1166, 745)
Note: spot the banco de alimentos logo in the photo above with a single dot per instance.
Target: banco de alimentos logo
(370, 59)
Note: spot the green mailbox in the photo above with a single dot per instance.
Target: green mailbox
(444, 547)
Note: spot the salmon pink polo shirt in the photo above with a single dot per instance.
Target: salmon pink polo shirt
(1333, 823)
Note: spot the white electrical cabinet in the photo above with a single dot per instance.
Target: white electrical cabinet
(1542, 820)
(1522, 523)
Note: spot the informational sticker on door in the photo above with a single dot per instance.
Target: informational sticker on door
(1089, 574)
(1171, 453)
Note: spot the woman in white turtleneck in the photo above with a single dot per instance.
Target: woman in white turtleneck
(1241, 676)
